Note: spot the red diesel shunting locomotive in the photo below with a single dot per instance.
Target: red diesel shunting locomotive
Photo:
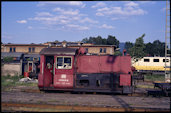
(73, 70)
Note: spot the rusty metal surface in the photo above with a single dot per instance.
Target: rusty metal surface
(56, 108)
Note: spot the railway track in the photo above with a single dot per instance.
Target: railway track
(38, 91)
(135, 94)
(21, 107)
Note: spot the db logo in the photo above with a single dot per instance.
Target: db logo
(63, 76)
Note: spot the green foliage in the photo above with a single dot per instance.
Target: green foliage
(56, 41)
(154, 77)
(111, 40)
(8, 82)
(118, 53)
(149, 49)
(137, 51)
(28, 59)
(128, 46)
(159, 48)
(7, 59)
(85, 40)
(155, 48)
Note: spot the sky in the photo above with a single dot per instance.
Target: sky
(43, 21)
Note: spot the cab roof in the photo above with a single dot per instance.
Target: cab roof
(58, 51)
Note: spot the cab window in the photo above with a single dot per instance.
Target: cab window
(64, 62)
(155, 60)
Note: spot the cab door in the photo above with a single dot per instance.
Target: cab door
(48, 71)
(63, 72)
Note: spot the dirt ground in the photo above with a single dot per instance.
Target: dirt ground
(31, 95)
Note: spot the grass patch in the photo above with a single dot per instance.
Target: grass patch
(145, 86)
(8, 82)
(154, 77)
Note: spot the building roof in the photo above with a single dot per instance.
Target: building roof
(11, 54)
(23, 45)
(99, 45)
(58, 51)
(75, 44)
(32, 55)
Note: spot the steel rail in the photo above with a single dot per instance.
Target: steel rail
(46, 107)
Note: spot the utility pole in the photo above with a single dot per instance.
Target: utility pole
(167, 42)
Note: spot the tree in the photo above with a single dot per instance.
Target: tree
(137, 51)
(98, 40)
(104, 41)
(128, 46)
(158, 48)
(149, 49)
(111, 40)
(92, 40)
(56, 41)
(85, 40)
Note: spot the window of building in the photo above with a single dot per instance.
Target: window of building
(102, 50)
(29, 49)
(86, 50)
(33, 49)
(167, 60)
(64, 62)
(10, 49)
(30, 66)
(155, 60)
(14, 49)
(146, 60)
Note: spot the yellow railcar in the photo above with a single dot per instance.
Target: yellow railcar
(152, 64)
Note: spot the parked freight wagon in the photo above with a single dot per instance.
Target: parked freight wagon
(71, 69)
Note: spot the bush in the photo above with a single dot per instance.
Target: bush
(7, 59)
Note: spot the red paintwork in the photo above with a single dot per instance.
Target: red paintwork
(104, 64)
(26, 74)
(63, 78)
(40, 75)
(81, 50)
(125, 80)
(45, 78)
(87, 64)
(107, 64)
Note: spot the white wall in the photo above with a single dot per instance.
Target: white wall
(11, 69)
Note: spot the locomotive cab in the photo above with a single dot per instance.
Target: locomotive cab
(56, 68)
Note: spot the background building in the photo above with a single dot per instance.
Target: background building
(28, 54)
